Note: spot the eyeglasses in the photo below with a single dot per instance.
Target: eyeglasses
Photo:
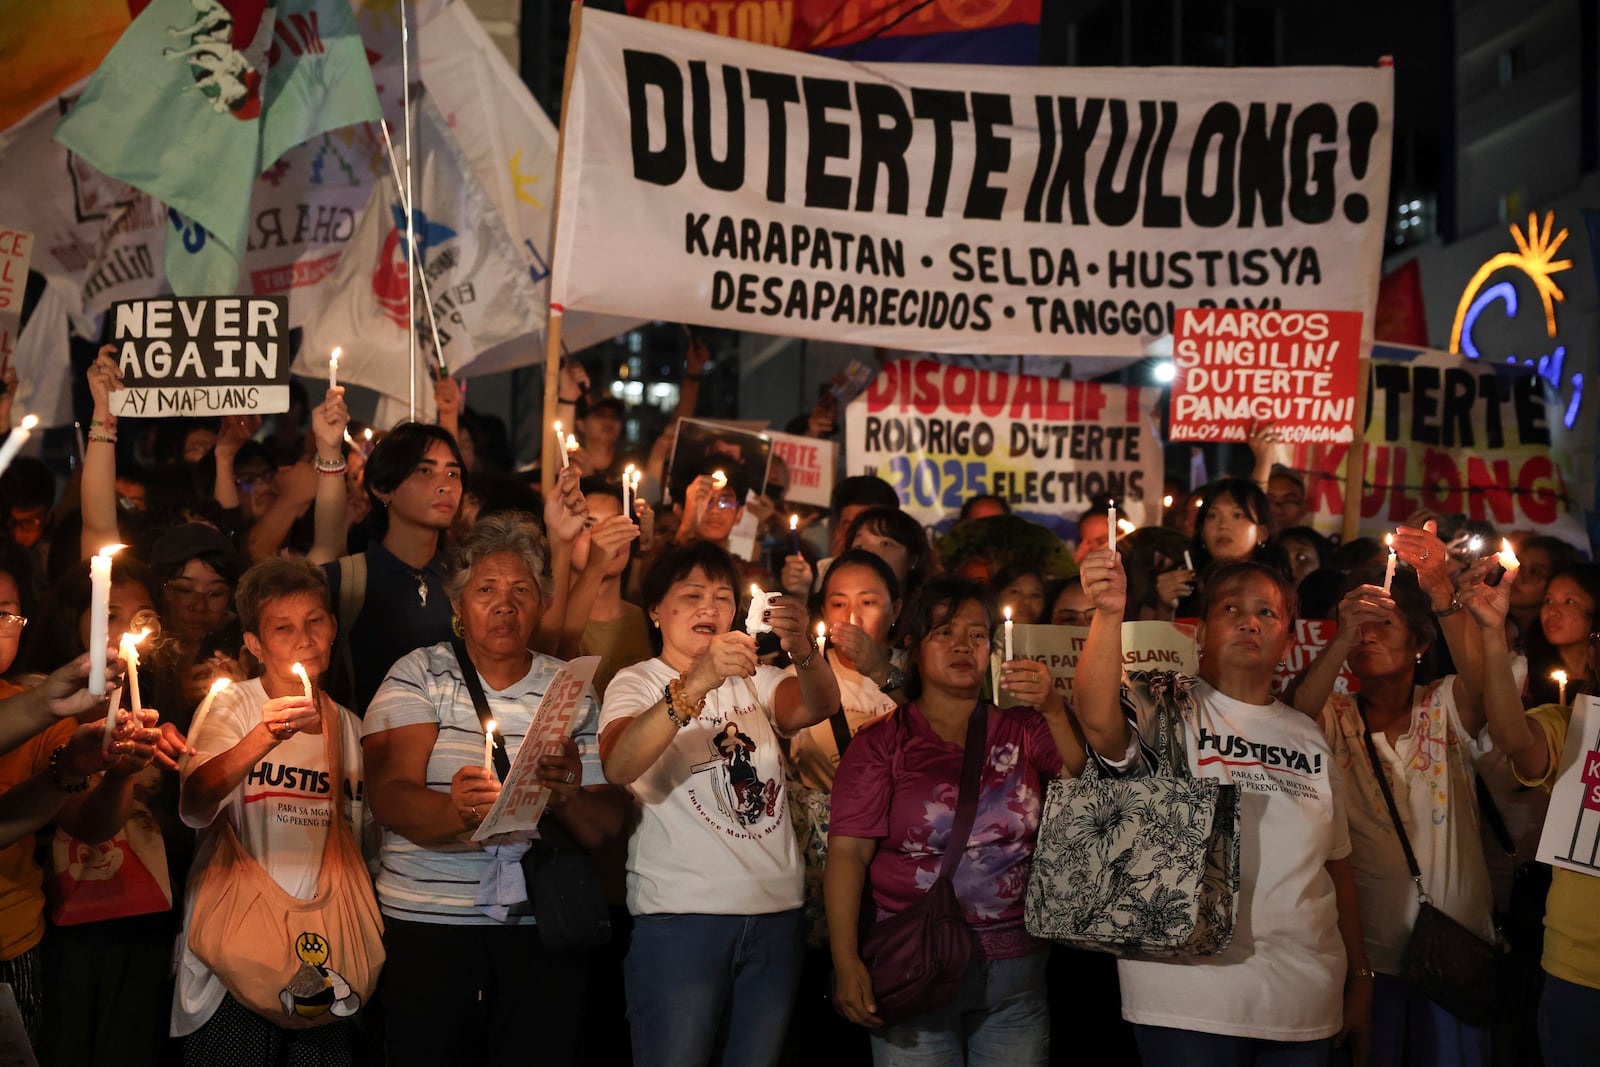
(11, 624)
(249, 483)
(724, 501)
(191, 593)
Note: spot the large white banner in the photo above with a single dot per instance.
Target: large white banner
(958, 208)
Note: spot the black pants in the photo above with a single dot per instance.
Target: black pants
(480, 994)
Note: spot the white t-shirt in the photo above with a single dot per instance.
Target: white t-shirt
(714, 835)
(280, 812)
(1282, 978)
(813, 753)
(1430, 774)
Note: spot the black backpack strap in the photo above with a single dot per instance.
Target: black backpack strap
(480, 701)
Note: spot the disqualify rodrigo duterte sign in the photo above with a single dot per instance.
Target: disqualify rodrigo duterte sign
(214, 355)
(959, 208)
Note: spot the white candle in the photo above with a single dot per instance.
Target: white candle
(1388, 571)
(1111, 527)
(305, 679)
(627, 491)
(571, 447)
(200, 717)
(17, 438)
(351, 441)
(1560, 678)
(128, 649)
(1506, 561)
(1009, 656)
(100, 616)
(822, 638)
(1188, 561)
(333, 368)
(488, 747)
(561, 444)
(367, 433)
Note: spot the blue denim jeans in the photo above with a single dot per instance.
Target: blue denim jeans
(999, 1018)
(712, 988)
(1409, 1030)
(1569, 1021)
(1171, 1047)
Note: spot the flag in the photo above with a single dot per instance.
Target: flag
(1401, 317)
(196, 99)
(482, 294)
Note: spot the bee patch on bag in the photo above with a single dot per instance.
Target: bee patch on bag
(317, 989)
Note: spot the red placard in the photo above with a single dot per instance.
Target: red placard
(1241, 366)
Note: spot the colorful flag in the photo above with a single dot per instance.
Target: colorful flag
(1402, 317)
(196, 99)
(481, 292)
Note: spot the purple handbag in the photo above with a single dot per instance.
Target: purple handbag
(918, 958)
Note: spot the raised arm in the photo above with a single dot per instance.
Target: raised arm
(209, 785)
(564, 513)
(63, 694)
(607, 538)
(1361, 605)
(1263, 446)
(1098, 687)
(98, 494)
(234, 432)
(328, 422)
(1422, 549)
(297, 488)
(1519, 737)
(813, 693)
(447, 399)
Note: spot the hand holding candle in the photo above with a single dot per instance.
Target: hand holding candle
(488, 747)
(199, 719)
(1388, 570)
(305, 679)
(1009, 650)
(1111, 527)
(17, 438)
(561, 444)
(1505, 561)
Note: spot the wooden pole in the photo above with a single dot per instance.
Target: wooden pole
(552, 331)
(1355, 461)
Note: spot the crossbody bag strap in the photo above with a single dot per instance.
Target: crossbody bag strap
(480, 702)
(1394, 811)
(972, 763)
(1491, 815)
(841, 731)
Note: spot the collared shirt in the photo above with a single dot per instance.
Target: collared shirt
(394, 619)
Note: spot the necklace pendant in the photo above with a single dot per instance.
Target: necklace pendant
(422, 591)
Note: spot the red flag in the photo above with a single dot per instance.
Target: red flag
(1401, 315)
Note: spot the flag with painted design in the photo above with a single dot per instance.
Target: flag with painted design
(199, 96)
(481, 291)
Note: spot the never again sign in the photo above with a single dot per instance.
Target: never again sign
(201, 356)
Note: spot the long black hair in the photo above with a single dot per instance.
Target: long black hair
(395, 458)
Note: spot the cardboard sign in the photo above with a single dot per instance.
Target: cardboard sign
(1311, 636)
(201, 356)
(812, 462)
(1571, 836)
(742, 454)
(1146, 646)
(522, 796)
(1236, 367)
(16, 251)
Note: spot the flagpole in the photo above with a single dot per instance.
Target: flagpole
(552, 330)
(411, 237)
(1355, 460)
(405, 205)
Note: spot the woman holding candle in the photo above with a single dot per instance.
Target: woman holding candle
(1561, 640)
(1233, 524)
(468, 979)
(261, 763)
(893, 804)
(714, 872)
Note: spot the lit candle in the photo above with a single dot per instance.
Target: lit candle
(488, 747)
(718, 479)
(129, 650)
(1188, 561)
(627, 490)
(17, 438)
(305, 679)
(1388, 571)
(367, 433)
(333, 368)
(561, 444)
(794, 532)
(200, 717)
(1111, 527)
(1560, 678)
(351, 441)
(100, 617)
(1009, 656)
(1506, 561)
(822, 638)
(1166, 501)
(753, 622)
(571, 447)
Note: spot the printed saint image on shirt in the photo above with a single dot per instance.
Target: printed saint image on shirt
(739, 789)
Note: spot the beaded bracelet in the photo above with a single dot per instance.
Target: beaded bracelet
(58, 773)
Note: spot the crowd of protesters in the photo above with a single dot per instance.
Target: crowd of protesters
(334, 614)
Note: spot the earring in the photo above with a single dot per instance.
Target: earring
(456, 627)
(1419, 657)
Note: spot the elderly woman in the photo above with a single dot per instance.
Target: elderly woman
(714, 871)
(894, 801)
(261, 762)
(464, 982)
(1285, 986)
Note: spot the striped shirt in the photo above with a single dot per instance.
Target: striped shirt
(436, 883)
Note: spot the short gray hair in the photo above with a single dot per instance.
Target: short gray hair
(504, 531)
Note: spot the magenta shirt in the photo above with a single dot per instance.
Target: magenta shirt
(898, 784)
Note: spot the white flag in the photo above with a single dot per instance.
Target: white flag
(481, 293)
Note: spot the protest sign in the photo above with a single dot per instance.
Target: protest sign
(201, 356)
(1454, 435)
(1311, 636)
(966, 209)
(1571, 836)
(811, 461)
(1146, 646)
(16, 250)
(704, 445)
(522, 796)
(1236, 368)
(940, 434)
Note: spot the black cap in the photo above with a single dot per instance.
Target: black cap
(180, 544)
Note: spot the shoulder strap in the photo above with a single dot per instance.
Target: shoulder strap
(1394, 812)
(480, 701)
(972, 764)
(1492, 816)
(352, 589)
(841, 731)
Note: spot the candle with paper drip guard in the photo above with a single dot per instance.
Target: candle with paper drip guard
(561, 444)
(299, 671)
(1505, 560)
(1009, 656)
(18, 437)
(333, 368)
(100, 616)
(1388, 570)
(488, 746)
(200, 713)
(760, 602)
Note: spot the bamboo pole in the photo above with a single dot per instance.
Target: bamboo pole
(552, 331)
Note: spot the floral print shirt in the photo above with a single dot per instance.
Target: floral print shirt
(898, 784)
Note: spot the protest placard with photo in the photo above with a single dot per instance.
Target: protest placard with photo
(1571, 837)
(812, 461)
(704, 446)
(16, 251)
(1236, 368)
(940, 434)
(1146, 646)
(522, 795)
(973, 209)
(201, 356)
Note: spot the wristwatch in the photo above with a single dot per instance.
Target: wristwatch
(896, 680)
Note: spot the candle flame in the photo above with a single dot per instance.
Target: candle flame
(220, 684)
(794, 523)
(29, 422)
(1125, 526)
(572, 443)
(367, 433)
(333, 360)
(1388, 539)
(1166, 501)
(755, 591)
(1008, 613)
(489, 730)
(110, 550)
(822, 630)
(718, 479)
(558, 428)
(636, 476)
(1559, 677)
(1508, 556)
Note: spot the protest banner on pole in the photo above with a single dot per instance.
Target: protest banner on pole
(16, 251)
(965, 209)
(1571, 836)
(1146, 646)
(1236, 368)
(522, 796)
(940, 434)
(201, 356)
(812, 462)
